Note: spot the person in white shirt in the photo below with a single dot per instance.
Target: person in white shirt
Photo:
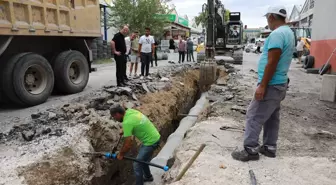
(146, 52)
(299, 48)
(128, 41)
(134, 56)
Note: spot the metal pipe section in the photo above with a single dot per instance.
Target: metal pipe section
(176, 138)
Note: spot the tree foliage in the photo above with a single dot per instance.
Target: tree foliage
(202, 17)
(139, 14)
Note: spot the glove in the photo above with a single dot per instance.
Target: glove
(120, 156)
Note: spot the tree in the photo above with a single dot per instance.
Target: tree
(202, 18)
(139, 14)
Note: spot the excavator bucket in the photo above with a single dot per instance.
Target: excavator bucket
(208, 74)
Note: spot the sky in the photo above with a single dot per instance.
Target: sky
(252, 11)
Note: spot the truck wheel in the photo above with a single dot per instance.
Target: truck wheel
(71, 71)
(29, 79)
(6, 85)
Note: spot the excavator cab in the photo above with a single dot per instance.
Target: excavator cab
(235, 30)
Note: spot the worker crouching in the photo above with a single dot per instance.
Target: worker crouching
(137, 124)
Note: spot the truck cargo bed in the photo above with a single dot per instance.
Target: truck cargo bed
(78, 18)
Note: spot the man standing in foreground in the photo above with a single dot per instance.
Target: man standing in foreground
(137, 124)
(146, 52)
(134, 53)
(264, 110)
(118, 45)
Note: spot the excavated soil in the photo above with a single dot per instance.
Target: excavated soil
(163, 109)
(48, 149)
(165, 106)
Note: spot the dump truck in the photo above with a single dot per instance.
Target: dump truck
(44, 47)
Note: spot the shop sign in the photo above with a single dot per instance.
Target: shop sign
(183, 21)
(169, 17)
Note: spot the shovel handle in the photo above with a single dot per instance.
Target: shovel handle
(114, 156)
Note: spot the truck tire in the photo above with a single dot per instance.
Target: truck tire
(6, 86)
(29, 79)
(71, 71)
(94, 54)
(93, 45)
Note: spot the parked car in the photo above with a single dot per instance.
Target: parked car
(252, 48)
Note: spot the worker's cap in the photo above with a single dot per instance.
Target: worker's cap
(279, 10)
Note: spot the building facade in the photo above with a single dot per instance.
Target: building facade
(179, 26)
(294, 18)
(251, 33)
(307, 14)
(324, 34)
(302, 16)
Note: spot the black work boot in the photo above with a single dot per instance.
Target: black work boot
(266, 152)
(150, 179)
(244, 155)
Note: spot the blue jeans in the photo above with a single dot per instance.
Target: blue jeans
(142, 170)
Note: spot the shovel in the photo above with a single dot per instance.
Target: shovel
(326, 66)
(114, 156)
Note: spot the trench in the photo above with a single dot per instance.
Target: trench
(165, 109)
(86, 126)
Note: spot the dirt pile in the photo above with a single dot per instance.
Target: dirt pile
(165, 106)
(62, 168)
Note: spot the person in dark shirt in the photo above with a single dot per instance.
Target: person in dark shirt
(190, 50)
(156, 44)
(172, 44)
(118, 45)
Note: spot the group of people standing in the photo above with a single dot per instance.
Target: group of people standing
(134, 50)
(184, 47)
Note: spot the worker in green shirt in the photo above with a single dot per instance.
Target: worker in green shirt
(137, 124)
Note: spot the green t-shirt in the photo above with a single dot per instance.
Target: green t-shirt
(137, 124)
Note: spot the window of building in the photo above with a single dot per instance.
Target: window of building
(305, 9)
(312, 2)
